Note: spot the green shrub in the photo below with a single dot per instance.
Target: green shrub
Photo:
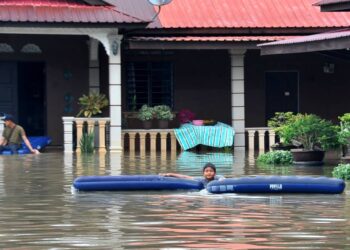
(87, 143)
(163, 112)
(344, 133)
(145, 113)
(279, 120)
(276, 157)
(312, 132)
(342, 171)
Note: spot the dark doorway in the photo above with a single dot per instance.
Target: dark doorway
(8, 88)
(281, 92)
(31, 97)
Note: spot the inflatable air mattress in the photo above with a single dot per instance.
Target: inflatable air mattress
(277, 184)
(133, 183)
(37, 142)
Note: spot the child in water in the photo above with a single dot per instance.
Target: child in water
(209, 174)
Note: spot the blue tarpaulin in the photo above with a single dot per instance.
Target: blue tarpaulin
(219, 135)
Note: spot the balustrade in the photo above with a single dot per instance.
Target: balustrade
(143, 140)
(265, 136)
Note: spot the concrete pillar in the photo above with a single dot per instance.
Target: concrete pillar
(94, 67)
(237, 97)
(68, 134)
(115, 93)
(2, 126)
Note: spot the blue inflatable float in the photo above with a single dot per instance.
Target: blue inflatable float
(278, 184)
(37, 142)
(134, 183)
(258, 184)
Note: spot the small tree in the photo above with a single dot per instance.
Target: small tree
(312, 132)
(280, 120)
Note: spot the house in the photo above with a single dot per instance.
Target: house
(196, 54)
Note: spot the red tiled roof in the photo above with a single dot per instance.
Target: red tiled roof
(211, 38)
(248, 14)
(61, 11)
(311, 38)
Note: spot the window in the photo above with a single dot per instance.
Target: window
(149, 83)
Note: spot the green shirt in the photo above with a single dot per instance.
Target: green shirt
(16, 136)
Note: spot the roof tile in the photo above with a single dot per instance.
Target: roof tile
(61, 11)
(248, 14)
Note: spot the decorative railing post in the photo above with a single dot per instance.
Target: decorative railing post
(132, 137)
(251, 135)
(142, 142)
(163, 137)
(153, 136)
(79, 123)
(173, 141)
(261, 139)
(68, 134)
(102, 136)
(272, 137)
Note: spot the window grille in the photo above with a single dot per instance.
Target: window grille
(149, 83)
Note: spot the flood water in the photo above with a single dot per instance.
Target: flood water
(39, 210)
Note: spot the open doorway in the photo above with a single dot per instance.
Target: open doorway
(31, 97)
(281, 92)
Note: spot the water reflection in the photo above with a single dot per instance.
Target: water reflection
(39, 211)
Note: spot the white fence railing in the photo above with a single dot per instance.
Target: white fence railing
(133, 139)
(260, 137)
(144, 139)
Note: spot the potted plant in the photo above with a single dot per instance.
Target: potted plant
(344, 133)
(145, 114)
(185, 116)
(92, 104)
(164, 115)
(277, 122)
(315, 135)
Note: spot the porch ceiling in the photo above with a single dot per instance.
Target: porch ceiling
(199, 42)
(319, 42)
(334, 5)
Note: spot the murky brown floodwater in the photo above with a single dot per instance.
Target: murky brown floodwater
(39, 211)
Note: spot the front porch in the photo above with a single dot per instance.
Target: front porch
(146, 140)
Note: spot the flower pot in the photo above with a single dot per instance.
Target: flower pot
(286, 147)
(163, 124)
(307, 157)
(147, 124)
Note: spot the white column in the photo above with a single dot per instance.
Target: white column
(237, 97)
(115, 93)
(94, 67)
(68, 134)
(2, 126)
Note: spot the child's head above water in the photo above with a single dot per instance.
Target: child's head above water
(209, 165)
(209, 171)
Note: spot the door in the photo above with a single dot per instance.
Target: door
(8, 88)
(281, 92)
(31, 93)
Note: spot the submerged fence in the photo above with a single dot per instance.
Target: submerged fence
(141, 140)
